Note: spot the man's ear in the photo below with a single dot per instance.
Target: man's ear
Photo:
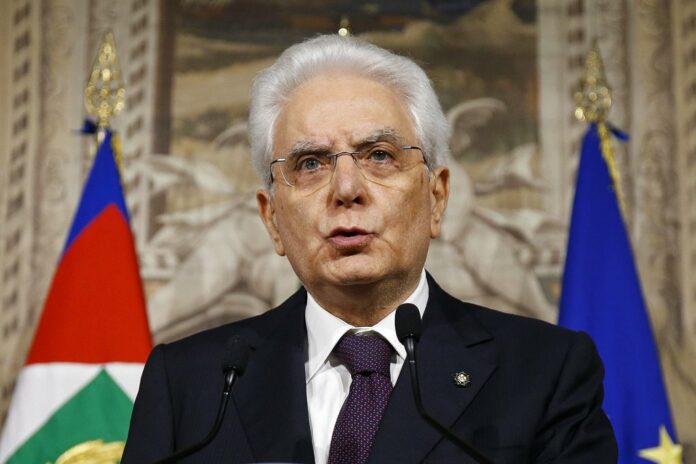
(439, 193)
(264, 200)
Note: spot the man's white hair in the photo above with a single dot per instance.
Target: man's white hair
(333, 53)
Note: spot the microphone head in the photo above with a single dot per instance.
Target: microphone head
(408, 322)
(236, 355)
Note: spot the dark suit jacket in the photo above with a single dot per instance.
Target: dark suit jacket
(535, 393)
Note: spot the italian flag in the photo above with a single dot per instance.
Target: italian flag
(73, 398)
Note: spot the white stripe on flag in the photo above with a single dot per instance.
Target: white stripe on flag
(127, 376)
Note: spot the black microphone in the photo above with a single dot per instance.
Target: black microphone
(234, 361)
(408, 330)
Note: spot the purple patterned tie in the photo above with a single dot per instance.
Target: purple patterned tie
(367, 358)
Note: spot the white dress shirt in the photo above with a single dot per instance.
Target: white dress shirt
(328, 381)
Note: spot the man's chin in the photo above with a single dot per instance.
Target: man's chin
(356, 270)
(357, 280)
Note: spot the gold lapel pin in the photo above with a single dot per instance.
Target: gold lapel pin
(462, 379)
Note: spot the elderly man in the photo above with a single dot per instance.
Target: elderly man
(352, 146)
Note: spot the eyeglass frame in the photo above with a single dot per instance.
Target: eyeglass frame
(334, 157)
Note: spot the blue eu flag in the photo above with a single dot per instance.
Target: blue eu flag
(601, 295)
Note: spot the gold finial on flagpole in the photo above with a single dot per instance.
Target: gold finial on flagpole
(593, 96)
(105, 93)
(344, 27)
(593, 102)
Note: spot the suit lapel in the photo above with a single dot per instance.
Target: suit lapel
(449, 332)
(271, 397)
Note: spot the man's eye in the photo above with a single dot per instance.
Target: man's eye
(308, 163)
(380, 155)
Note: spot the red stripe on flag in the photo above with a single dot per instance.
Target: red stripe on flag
(95, 309)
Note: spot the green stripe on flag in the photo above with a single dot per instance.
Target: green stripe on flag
(100, 411)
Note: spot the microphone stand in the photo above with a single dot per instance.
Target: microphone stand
(235, 359)
(230, 378)
(409, 343)
(408, 330)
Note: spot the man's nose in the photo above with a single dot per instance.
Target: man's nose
(348, 181)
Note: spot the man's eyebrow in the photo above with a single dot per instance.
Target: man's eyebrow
(387, 134)
(304, 147)
(382, 135)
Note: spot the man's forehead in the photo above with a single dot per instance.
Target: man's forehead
(384, 134)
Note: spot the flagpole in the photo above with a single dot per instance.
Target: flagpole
(104, 98)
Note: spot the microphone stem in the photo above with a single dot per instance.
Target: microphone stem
(230, 378)
(415, 386)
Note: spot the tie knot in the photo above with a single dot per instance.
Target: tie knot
(364, 354)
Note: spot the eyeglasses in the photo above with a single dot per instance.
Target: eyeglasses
(378, 163)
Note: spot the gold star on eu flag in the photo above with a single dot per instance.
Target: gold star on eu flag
(667, 452)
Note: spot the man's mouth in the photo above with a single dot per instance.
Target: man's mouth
(349, 239)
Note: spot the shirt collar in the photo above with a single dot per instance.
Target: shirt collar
(324, 329)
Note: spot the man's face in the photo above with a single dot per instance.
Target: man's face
(351, 230)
